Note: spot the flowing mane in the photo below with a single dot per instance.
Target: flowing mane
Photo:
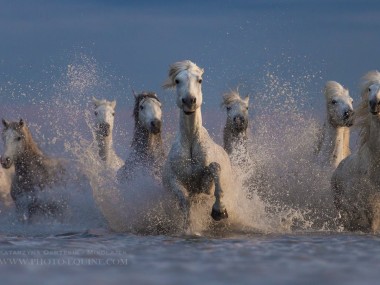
(362, 117)
(333, 88)
(231, 97)
(176, 68)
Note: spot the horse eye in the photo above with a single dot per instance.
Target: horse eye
(200, 81)
(334, 102)
(228, 108)
(141, 107)
(247, 108)
(18, 139)
(113, 114)
(369, 89)
(176, 81)
(96, 113)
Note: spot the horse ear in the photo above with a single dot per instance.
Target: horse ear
(246, 99)
(95, 101)
(21, 123)
(133, 93)
(5, 123)
(113, 104)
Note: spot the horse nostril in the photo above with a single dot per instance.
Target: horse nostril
(189, 100)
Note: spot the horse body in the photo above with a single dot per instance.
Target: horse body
(146, 148)
(104, 113)
(355, 183)
(335, 139)
(235, 130)
(34, 171)
(196, 164)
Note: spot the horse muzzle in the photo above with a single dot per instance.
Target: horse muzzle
(104, 129)
(240, 123)
(374, 106)
(189, 105)
(155, 126)
(348, 118)
(6, 163)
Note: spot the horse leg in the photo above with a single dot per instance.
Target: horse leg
(219, 210)
(181, 194)
(375, 213)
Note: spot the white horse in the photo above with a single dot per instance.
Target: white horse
(355, 183)
(235, 130)
(146, 149)
(334, 145)
(6, 176)
(104, 116)
(196, 164)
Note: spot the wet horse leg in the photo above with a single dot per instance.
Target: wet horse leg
(212, 174)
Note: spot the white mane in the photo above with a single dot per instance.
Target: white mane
(177, 67)
(333, 88)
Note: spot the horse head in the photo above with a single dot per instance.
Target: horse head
(104, 116)
(237, 111)
(340, 112)
(15, 138)
(186, 77)
(148, 112)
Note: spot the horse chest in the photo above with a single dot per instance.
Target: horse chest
(189, 162)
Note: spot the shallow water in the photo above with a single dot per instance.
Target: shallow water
(307, 258)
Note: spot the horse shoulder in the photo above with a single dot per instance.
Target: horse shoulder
(213, 151)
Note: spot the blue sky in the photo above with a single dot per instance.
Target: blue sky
(237, 42)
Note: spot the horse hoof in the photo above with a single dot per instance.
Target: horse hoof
(218, 215)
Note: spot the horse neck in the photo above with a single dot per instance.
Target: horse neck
(31, 157)
(105, 145)
(335, 144)
(374, 139)
(232, 138)
(146, 144)
(190, 126)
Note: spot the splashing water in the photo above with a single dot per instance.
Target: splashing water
(280, 189)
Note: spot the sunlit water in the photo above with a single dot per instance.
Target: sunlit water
(283, 228)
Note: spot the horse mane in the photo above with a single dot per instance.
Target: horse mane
(176, 68)
(140, 97)
(333, 88)
(100, 102)
(362, 116)
(230, 97)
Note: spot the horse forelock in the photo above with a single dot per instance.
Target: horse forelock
(231, 97)
(139, 99)
(333, 88)
(103, 102)
(178, 67)
(362, 114)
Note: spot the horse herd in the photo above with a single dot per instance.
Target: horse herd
(197, 165)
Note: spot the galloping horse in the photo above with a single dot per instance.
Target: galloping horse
(105, 115)
(355, 183)
(235, 131)
(334, 145)
(146, 148)
(196, 164)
